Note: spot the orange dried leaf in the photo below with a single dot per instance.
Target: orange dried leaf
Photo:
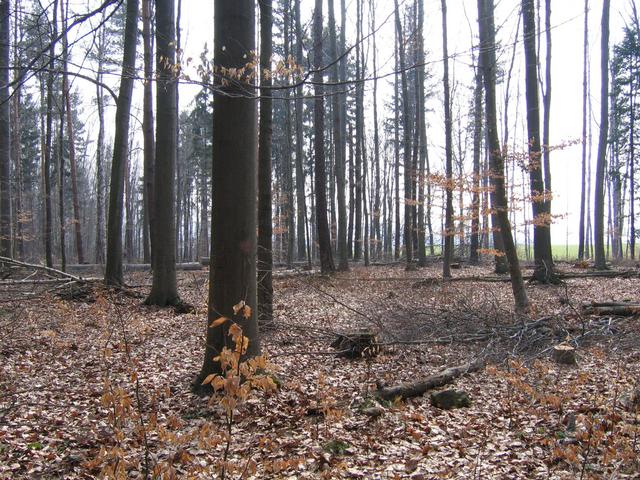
(218, 321)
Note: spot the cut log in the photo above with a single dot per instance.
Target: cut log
(620, 309)
(564, 354)
(416, 389)
(359, 344)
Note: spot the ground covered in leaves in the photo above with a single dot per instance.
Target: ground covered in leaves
(100, 385)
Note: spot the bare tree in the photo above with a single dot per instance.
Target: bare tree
(234, 212)
(113, 268)
(600, 260)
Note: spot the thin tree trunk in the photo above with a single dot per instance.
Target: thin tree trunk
(72, 147)
(48, 229)
(581, 227)
(300, 175)
(448, 127)
(544, 271)
(324, 238)
(60, 154)
(147, 131)
(5, 131)
(421, 128)
(16, 132)
(600, 260)
(406, 125)
(265, 225)
(338, 146)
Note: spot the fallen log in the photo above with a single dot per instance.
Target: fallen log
(42, 268)
(416, 389)
(620, 309)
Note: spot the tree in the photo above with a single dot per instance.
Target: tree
(585, 50)
(408, 237)
(448, 126)
(539, 195)
(5, 132)
(234, 217)
(147, 131)
(488, 65)
(113, 269)
(164, 290)
(265, 220)
(600, 260)
(338, 148)
(324, 238)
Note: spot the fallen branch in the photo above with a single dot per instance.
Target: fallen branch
(53, 271)
(416, 389)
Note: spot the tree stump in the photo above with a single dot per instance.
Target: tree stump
(357, 344)
(564, 354)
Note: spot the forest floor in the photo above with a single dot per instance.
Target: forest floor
(85, 384)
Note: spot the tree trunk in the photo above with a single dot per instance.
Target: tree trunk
(72, 147)
(448, 127)
(16, 132)
(147, 132)
(288, 159)
(488, 62)
(47, 234)
(265, 225)
(234, 210)
(338, 145)
(406, 126)
(324, 238)
(583, 186)
(113, 268)
(164, 290)
(421, 128)
(300, 175)
(5, 132)
(474, 256)
(600, 260)
(99, 254)
(544, 271)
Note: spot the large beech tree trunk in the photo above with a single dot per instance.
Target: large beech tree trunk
(234, 217)
(164, 290)
(113, 269)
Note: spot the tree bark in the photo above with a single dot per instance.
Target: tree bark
(583, 186)
(338, 145)
(600, 260)
(164, 290)
(48, 230)
(543, 257)
(234, 210)
(5, 131)
(488, 62)
(147, 132)
(300, 175)
(265, 225)
(448, 127)
(113, 268)
(72, 148)
(324, 238)
(406, 126)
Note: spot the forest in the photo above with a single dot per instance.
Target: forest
(319, 239)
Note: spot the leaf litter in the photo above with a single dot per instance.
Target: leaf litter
(103, 388)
